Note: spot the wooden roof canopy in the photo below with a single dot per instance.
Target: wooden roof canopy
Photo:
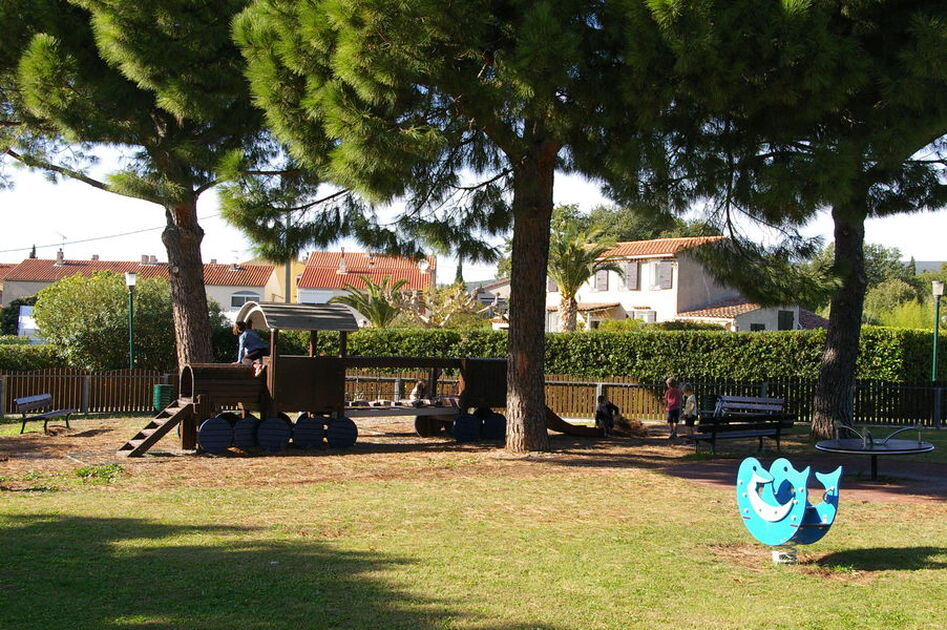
(280, 316)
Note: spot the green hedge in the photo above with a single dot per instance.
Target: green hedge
(25, 358)
(890, 354)
(886, 353)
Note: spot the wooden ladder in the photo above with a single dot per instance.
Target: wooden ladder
(156, 429)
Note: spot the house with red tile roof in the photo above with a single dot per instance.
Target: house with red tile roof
(228, 285)
(327, 273)
(4, 270)
(662, 282)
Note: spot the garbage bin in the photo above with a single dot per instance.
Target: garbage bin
(163, 396)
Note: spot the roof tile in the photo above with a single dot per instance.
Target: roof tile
(657, 248)
(725, 309)
(322, 270)
(40, 270)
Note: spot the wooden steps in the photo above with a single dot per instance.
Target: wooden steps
(159, 426)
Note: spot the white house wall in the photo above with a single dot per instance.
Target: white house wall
(768, 317)
(697, 287)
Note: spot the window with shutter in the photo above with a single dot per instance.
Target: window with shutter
(601, 280)
(663, 275)
(786, 320)
(632, 275)
(551, 286)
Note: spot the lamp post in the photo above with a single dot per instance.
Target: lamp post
(130, 278)
(937, 288)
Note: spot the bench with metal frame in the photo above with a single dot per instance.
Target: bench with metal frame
(40, 401)
(736, 417)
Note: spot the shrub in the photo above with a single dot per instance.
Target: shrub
(24, 358)
(653, 355)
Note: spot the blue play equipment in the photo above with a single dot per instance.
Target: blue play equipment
(774, 503)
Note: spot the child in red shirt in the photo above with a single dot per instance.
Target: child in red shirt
(672, 404)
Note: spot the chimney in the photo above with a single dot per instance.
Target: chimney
(95, 256)
(153, 259)
(343, 269)
(144, 259)
(60, 258)
(213, 261)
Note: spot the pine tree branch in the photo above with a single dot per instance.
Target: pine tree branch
(307, 206)
(33, 162)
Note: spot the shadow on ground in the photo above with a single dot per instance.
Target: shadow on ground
(69, 572)
(888, 559)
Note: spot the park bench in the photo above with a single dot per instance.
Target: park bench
(40, 401)
(736, 417)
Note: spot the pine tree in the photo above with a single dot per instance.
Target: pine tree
(161, 79)
(471, 106)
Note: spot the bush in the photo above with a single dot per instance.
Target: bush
(13, 340)
(652, 355)
(24, 358)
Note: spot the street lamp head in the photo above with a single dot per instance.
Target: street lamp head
(937, 288)
(130, 278)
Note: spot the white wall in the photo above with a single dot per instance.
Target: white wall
(769, 317)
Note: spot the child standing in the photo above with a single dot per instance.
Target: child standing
(672, 404)
(689, 412)
(605, 412)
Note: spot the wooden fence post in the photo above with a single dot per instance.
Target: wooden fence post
(86, 393)
(3, 395)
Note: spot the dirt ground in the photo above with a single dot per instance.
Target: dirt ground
(388, 449)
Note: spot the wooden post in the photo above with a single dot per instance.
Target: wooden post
(86, 393)
(343, 343)
(3, 395)
(199, 411)
(270, 408)
(313, 341)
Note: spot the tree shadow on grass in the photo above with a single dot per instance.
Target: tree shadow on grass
(67, 572)
(887, 559)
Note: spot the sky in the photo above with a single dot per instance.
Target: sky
(37, 211)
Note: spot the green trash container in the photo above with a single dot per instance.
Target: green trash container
(163, 396)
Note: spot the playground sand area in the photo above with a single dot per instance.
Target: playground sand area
(388, 449)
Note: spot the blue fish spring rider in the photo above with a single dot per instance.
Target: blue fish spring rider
(774, 505)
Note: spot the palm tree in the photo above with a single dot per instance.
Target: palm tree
(379, 303)
(573, 259)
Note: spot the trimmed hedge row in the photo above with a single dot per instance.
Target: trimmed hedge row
(16, 357)
(889, 354)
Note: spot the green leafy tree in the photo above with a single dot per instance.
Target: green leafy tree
(861, 133)
(574, 257)
(885, 297)
(468, 105)
(444, 307)
(909, 314)
(163, 81)
(86, 320)
(378, 303)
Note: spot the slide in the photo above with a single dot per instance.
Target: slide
(555, 423)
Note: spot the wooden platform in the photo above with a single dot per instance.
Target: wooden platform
(383, 412)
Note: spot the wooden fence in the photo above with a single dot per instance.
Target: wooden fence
(116, 391)
(129, 391)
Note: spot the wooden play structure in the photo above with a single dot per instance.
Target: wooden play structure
(314, 386)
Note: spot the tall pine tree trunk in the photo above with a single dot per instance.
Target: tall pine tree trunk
(834, 391)
(568, 308)
(182, 238)
(532, 211)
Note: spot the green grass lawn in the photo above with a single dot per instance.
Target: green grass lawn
(541, 545)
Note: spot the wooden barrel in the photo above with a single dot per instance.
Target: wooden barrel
(220, 383)
(274, 434)
(425, 426)
(309, 431)
(341, 433)
(215, 435)
(244, 433)
(494, 427)
(229, 416)
(467, 428)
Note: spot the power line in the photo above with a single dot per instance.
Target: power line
(95, 238)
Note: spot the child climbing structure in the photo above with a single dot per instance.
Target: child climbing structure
(314, 387)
